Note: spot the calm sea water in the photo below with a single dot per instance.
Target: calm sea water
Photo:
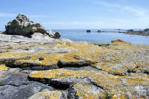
(105, 37)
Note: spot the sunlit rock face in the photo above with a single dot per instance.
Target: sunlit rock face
(23, 26)
(73, 70)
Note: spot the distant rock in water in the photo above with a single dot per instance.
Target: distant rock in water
(144, 32)
(23, 26)
(99, 31)
(88, 30)
(57, 35)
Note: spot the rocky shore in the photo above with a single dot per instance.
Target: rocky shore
(144, 32)
(35, 67)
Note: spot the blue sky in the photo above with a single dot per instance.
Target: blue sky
(79, 14)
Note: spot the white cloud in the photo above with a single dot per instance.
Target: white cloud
(138, 11)
(138, 16)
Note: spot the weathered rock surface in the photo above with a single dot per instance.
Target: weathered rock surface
(46, 94)
(66, 70)
(15, 85)
(23, 26)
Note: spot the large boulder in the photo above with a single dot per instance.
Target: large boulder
(23, 26)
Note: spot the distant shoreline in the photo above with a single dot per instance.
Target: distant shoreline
(144, 32)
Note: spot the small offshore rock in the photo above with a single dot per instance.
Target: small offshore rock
(99, 31)
(88, 30)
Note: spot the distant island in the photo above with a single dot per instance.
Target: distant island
(144, 32)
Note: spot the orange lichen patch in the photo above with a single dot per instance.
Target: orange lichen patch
(54, 58)
(47, 95)
(118, 71)
(16, 55)
(85, 93)
(83, 49)
(47, 59)
(55, 73)
(75, 57)
(3, 67)
(101, 78)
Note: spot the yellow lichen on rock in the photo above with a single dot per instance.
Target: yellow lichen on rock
(83, 49)
(111, 83)
(47, 59)
(86, 93)
(9, 55)
(47, 95)
(3, 67)
(101, 78)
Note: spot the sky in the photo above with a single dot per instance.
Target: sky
(79, 14)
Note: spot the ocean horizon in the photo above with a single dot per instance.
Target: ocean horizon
(101, 37)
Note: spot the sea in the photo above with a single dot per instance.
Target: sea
(101, 37)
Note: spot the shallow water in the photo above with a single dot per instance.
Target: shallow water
(105, 37)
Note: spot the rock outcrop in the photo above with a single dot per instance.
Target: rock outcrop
(23, 26)
(73, 70)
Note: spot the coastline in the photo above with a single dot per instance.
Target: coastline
(36, 63)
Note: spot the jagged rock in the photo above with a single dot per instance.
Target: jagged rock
(23, 26)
